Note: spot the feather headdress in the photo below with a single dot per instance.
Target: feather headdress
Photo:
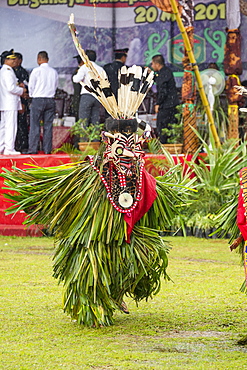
(134, 83)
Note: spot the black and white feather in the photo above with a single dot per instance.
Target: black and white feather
(134, 83)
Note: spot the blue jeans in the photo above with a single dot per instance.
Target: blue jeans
(41, 109)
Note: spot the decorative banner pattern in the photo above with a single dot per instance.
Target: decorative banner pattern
(232, 61)
(29, 26)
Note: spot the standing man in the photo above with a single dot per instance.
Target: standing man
(113, 68)
(77, 89)
(10, 103)
(89, 107)
(42, 86)
(21, 141)
(167, 97)
(20, 72)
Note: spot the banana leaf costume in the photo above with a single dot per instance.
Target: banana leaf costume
(105, 213)
(105, 248)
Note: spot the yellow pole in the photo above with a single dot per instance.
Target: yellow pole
(197, 73)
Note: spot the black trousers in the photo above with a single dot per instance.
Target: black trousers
(21, 141)
(165, 118)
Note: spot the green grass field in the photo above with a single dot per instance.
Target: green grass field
(194, 322)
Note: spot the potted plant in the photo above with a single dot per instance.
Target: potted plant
(89, 136)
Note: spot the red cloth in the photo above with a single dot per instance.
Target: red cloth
(241, 212)
(148, 190)
(241, 217)
(61, 135)
(155, 162)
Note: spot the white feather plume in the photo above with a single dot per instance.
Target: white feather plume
(134, 83)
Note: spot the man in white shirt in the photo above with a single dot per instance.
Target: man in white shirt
(10, 103)
(42, 87)
(89, 108)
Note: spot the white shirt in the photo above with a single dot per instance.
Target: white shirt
(43, 82)
(9, 90)
(82, 75)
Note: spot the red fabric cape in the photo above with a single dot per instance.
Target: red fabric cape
(148, 190)
(241, 213)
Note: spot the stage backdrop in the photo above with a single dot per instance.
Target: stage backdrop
(29, 26)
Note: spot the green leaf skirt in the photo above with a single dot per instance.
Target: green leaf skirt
(92, 258)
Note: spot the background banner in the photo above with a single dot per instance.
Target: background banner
(29, 26)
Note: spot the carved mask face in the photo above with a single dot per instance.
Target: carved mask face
(123, 164)
(122, 149)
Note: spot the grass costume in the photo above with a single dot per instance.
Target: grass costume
(105, 213)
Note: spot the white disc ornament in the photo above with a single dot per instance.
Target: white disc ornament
(125, 200)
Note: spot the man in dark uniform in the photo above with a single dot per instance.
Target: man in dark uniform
(20, 72)
(77, 89)
(21, 141)
(113, 68)
(167, 97)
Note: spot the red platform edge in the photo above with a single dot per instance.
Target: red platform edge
(12, 225)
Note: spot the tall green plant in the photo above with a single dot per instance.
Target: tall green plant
(216, 178)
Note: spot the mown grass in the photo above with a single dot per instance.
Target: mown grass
(193, 323)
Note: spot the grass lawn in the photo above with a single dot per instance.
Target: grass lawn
(193, 323)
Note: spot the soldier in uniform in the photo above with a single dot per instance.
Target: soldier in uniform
(10, 103)
(20, 72)
(77, 89)
(21, 142)
(113, 68)
(167, 96)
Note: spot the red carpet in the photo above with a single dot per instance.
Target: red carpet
(12, 224)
